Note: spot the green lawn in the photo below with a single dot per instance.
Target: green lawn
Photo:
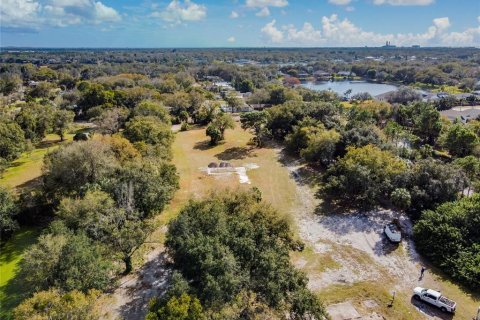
(11, 288)
(28, 166)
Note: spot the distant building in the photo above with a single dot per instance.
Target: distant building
(389, 45)
(346, 74)
(416, 46)
(321, 75)
(303, 76)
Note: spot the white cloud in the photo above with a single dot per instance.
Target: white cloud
(105, 14)
(181, 11)
(234, 15)
(337, 32)
(404, 2)
(266, 3)
(350, 9)
(19, 13)
(272, 33)
(33, 15)
(263, 13)
(231, 39)
(442, 23)
(306, 35)
(340, 2)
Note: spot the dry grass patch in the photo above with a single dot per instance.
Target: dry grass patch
(312, 262)
(363, 291)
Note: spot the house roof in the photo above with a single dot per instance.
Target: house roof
(464, 114)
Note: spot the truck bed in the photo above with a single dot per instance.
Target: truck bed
(446, 301)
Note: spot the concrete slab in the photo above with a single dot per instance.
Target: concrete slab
(343, 311)
(370, 303)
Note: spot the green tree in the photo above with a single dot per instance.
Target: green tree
(40, 260)
(431, 183)
(423, 118)
(69, 169)
(82, 265)
(9, 83)
(233, 242)
(246, 86)
(110, 121)
(471, 166)
(62, 121)
(450, 235)
(278, 96)
(298, 139)
(363, 177)
(35, 120)
(42, 90)
(234, 102)
(97, 214)
(257, 122)
(321, 146)
(401, 198)
(145, 186)
(94, 94)
(460, 140)
(12, 140)
(152, 108)
(183, 307)
(216, 128)
(8, 211)
(151, 132)
(206, 113)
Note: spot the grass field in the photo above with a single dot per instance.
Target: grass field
(28, 166)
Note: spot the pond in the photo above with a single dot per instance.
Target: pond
(356, 86)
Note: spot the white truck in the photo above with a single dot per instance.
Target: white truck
(393, 233)
(434, 298)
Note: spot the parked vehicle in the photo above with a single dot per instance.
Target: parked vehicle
(392, 231)
(434, 298)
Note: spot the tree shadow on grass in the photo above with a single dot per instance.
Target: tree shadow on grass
(12, 294)
(236, 153)
(31, 185)
(47, 144)
(15, 289)
(204, 145)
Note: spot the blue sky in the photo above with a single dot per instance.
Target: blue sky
(239, 23)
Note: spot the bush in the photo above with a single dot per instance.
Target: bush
(54, 305)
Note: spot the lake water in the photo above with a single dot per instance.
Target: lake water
(357, 86)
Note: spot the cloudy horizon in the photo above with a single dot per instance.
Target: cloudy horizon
(242, 23)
